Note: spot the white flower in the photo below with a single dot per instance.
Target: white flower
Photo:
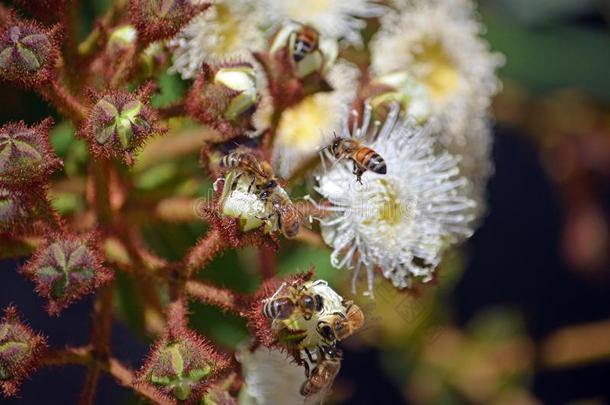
(333, 18)
(226, 30)
(309, 125)
(400, 222)
(439, 43)
(270, 377)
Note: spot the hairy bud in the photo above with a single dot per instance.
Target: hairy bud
(182, 366)
(118, 123)
(27, 52)
(225, 97)
(20, 348)
(19, 209)
(65, 268)
(26, 156)
(162, 19)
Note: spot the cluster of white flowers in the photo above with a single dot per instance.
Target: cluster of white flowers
(432, 78)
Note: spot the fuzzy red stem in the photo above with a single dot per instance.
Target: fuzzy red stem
(204, 251)
(57, 95)
(267, 262)
(100, 341)
(220, 297)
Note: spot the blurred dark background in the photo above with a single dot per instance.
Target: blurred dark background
(522, 315)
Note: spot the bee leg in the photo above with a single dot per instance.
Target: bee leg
(235, 181)
(358, 172)
(251, 184)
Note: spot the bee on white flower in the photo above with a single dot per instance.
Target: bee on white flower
(336, 18)
(401, 222)
(308, 125)
(226, 30)
(439, 44)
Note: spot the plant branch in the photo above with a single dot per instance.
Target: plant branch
(56, 94)
(204, 251)
(125, 377)
(100, 342)
(221, 297)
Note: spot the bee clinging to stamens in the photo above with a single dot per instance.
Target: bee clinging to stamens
(363, 157)
(323, 375)
(303, 42)
(288, 218)
(245, 160)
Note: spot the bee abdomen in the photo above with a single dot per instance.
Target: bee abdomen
(371, 160)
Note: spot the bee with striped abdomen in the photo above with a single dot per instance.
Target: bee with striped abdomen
(363, 157)
(321, 378)
(244, 160)
(304, 42)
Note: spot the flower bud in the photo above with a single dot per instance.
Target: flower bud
(400, 87)
(26, 156)
(182, 367)
(118, 123)
(27, 52)
(20, 348)
(162, 19)
(225, 97)
(16, 211)
(66, 268)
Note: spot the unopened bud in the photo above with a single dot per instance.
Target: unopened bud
(182, 367)
(19, 351)
(64, 269)
(118, 123)
(162, 19)
(26, 156)
(225, 97)
(121, 39)
(27, 52)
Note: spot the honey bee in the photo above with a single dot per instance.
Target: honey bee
(363, 157)
(323, 374)
(338, 326)
(298, 297)
(288, 218)
(304, 42)
(244, 160)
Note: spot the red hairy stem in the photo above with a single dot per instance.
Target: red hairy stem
(100, 199)
(100, 341)
(204, 251)
(69, 355)
(267, 261)
(221, 297)
(57, 95)
(172, 111)
(71, 23)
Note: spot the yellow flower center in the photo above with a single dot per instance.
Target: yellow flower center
(437, 72)
(388, 206)
(229, 32)
(304, 125)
